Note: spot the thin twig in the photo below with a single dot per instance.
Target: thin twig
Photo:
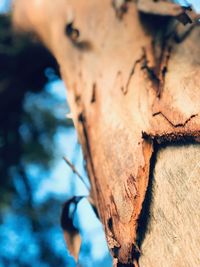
(75, 171)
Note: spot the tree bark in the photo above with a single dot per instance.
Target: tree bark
(172, 235)
(132, 82)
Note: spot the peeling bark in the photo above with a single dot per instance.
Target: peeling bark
(130, 85)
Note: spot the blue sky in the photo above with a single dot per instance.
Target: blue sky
(4, 5)
(63, 183)
(194, 3)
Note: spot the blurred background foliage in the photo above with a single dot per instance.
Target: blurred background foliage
(34, 180)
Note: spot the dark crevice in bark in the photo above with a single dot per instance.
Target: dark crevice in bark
(163, 67)
(110, 224)
(178, 124)
(74, 35)
(190, 137)
(181, 35)
(119, 264)
(151, 72)
(93, 98)
(125, 91)
(156, 73)
(161, 50)
(183, 137)
(72, 32)
(115, 251)
(144, 218)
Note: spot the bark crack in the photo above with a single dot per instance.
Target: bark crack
(178, 124)
(93, 98)
(155, 73)
(125, 91)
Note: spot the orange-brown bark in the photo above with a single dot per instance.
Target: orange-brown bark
(131, 82)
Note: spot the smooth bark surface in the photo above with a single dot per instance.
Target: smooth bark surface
(173, 236)
(132, 83)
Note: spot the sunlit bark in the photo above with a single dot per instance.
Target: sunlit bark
(132, 84)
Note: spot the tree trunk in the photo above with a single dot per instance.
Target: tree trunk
(133, 86)
(173, 236)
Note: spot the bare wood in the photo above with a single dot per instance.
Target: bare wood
(129, 86)
(173, 236)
